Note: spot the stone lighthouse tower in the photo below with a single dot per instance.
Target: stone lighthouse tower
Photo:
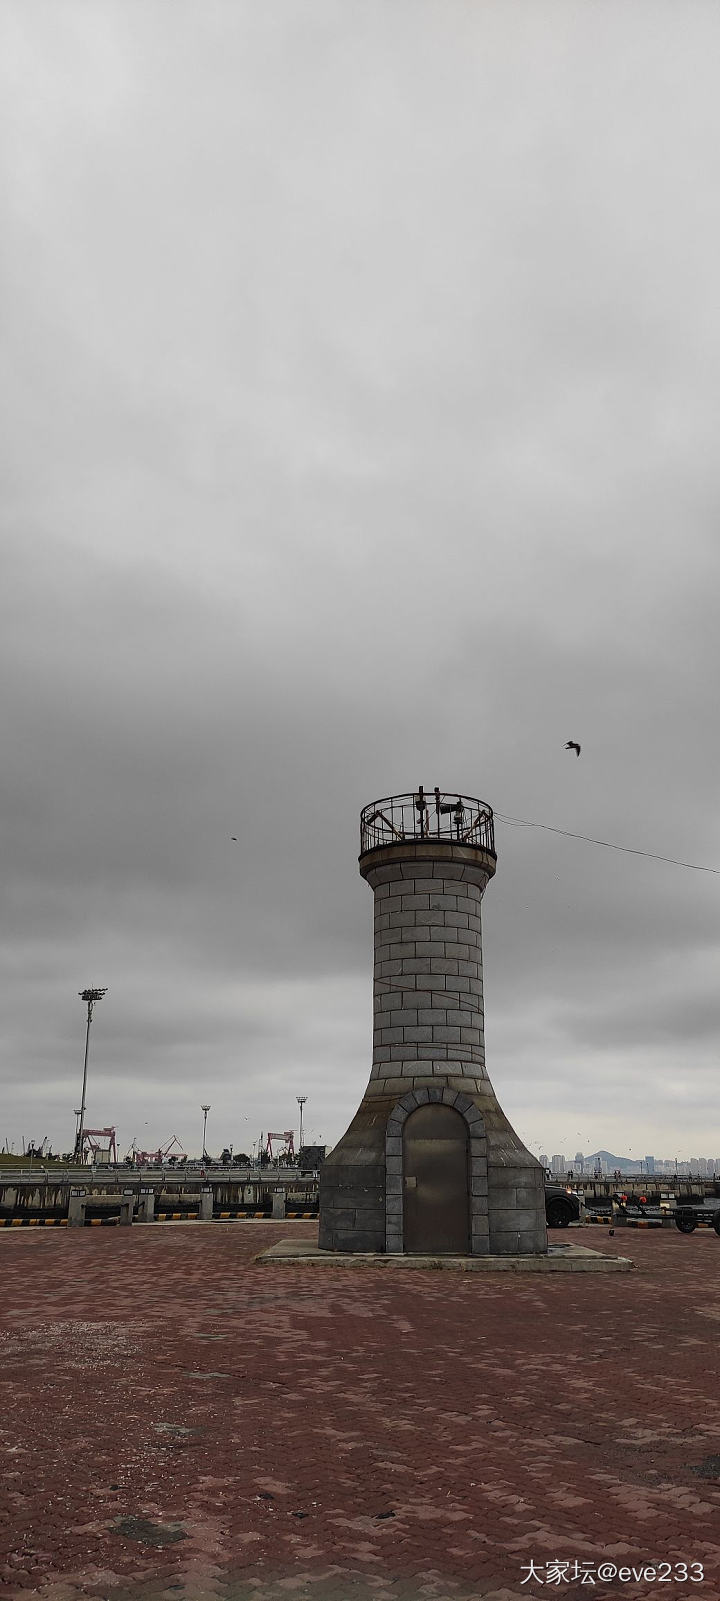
(430, 1164)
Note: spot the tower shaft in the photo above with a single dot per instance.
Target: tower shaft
(430, 1162)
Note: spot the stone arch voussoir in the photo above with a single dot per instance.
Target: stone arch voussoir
(477, 1178)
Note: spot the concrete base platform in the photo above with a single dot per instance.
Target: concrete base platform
(559, 1259)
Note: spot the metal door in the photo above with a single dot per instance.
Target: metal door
(436, 1201)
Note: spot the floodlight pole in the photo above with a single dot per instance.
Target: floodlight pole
(204, 1110)
(90, 996)
(301, 1099)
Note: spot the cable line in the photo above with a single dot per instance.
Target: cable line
(524, 822)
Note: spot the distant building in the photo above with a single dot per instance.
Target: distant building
(544, 1159)
(649, 1164)
(579, 1162)
(559, 1166)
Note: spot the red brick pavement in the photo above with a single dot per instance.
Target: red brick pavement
(178, 1422)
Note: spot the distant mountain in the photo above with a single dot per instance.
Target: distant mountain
(625, 1164)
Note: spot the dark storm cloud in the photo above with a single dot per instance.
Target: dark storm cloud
(360, 412)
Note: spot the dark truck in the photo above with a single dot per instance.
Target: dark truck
(561, 1206)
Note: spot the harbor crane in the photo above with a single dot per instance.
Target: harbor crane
(98, 1144)
(288, 1139)
(158, 1157)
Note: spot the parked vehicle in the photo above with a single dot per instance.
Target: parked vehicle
(561, 1206)
(687, 1217)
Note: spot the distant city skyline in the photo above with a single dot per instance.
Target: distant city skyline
(560, 1164)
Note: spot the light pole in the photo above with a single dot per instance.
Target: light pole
(204, 1110)
(301, 1099)
(90, 996)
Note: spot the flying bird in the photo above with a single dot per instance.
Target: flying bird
(572, 744)
(234, 837)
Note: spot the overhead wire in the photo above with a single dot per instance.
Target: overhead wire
(628, 850)
(524, 822)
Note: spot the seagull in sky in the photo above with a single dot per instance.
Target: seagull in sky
(234, 838)
(572, 744)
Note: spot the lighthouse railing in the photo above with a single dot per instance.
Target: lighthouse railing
(427, 815)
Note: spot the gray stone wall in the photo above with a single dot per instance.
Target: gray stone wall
(428, 1039)
(428, 984)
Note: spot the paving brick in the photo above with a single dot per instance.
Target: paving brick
(498, 1417)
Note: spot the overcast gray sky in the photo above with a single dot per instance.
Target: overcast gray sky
(360, 415)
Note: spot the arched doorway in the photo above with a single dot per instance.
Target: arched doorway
(436, 1191)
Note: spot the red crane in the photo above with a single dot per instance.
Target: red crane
(288, 1139)
(91, 1139)
(156, 1158)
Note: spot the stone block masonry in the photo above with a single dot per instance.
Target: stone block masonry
(429, 1051)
